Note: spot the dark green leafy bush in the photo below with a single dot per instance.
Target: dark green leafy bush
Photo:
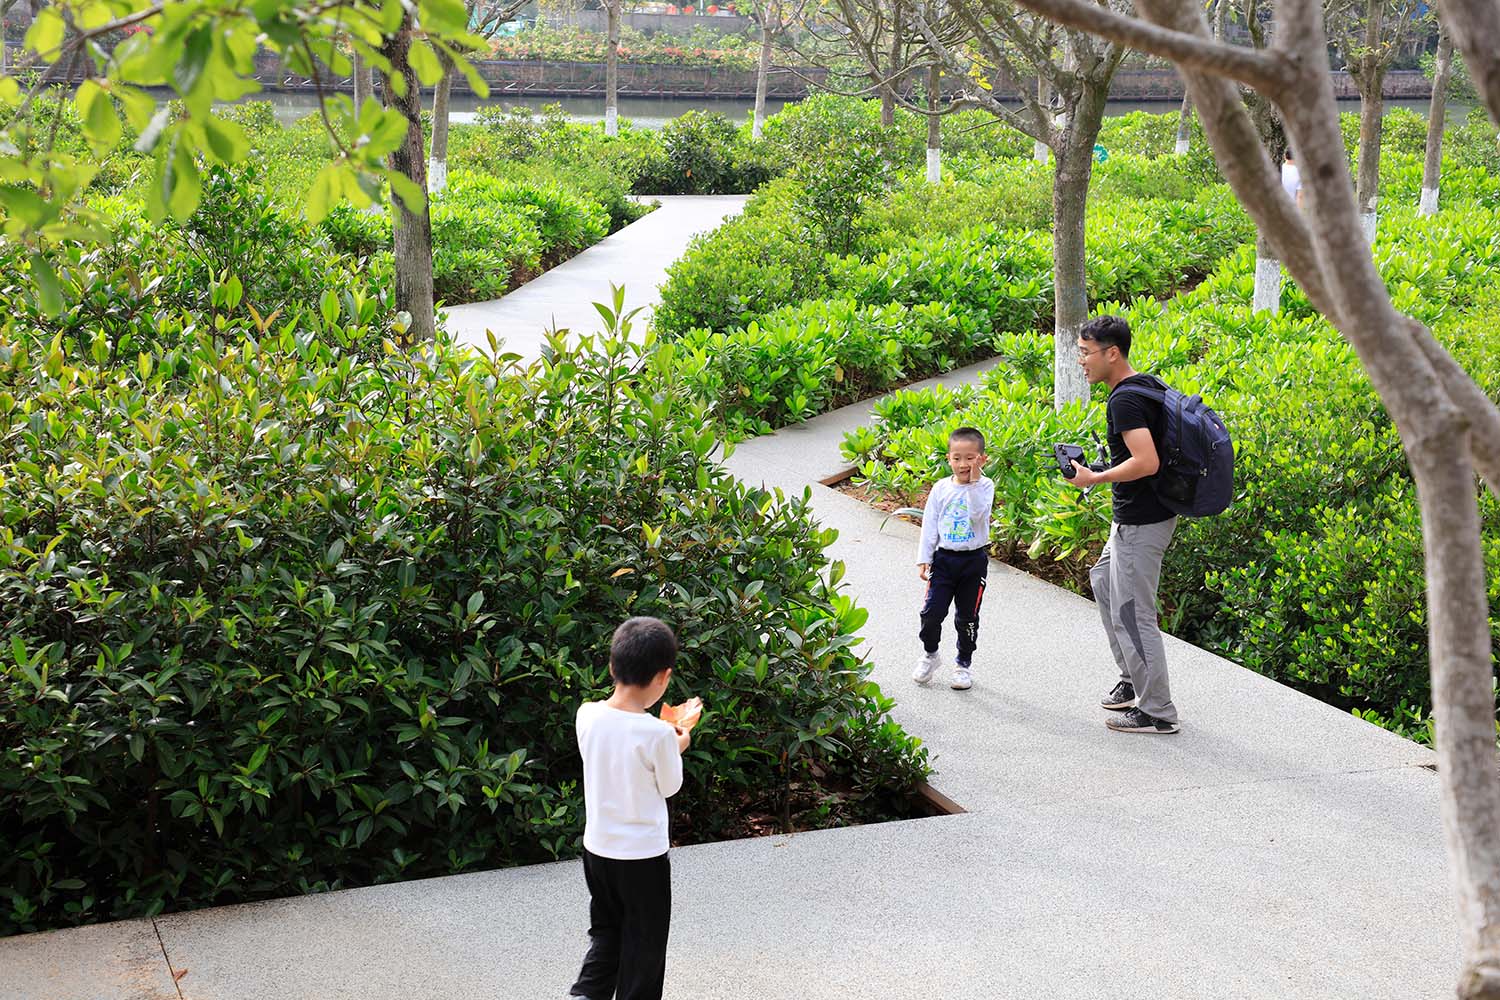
(285, 613)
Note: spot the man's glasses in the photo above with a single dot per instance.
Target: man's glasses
(1084, 355)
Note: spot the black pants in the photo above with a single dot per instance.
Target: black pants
(955, 578)
(630, 909)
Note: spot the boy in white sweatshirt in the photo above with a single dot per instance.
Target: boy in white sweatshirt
(953, 556)
(632, 763)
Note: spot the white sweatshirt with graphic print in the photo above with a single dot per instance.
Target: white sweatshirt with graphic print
(957, 517)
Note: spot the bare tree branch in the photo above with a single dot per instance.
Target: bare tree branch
(1268, 71)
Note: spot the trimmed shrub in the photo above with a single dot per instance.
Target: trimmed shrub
(286, 614)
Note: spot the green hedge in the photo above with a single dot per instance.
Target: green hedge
(489, 234)
(1314, 574)
(782, 331)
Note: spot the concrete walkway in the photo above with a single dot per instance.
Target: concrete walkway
(1275, 848)
(635, 257)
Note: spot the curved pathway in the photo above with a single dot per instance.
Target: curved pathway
(636, 258)
(1275, 848)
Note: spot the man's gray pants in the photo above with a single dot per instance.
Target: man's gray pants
(1125, 580)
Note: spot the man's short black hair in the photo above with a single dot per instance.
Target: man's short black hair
(1108, 331)
(641, 648)
(971, 434)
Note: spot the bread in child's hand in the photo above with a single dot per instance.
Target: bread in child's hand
(684, 716)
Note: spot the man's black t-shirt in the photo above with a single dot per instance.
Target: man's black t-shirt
(1135, 502)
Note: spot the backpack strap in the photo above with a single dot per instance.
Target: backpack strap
(1149, 391)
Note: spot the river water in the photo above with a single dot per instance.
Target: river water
(653, 112)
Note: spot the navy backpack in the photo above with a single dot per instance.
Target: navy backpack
(1196, 478)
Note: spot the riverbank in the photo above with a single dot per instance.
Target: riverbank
(512, 78)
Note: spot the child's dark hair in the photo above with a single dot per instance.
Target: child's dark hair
(641, 649)
(971, 434)
(1107, 332)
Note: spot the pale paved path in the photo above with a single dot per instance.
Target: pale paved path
(635, 257)
(1276, 848)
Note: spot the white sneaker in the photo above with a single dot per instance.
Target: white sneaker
(962, 680)
(926, 667)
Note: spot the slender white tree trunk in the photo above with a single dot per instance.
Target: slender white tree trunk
(1432, 168)
(1370, 76)
(1184, 126)
(1267, 294)
(1070, 188)
(364, 81)
(1040, 151)
(437, 165)
(762, 77)
(934, 126)
(612, 70)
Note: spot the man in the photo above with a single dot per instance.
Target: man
(1126, 576)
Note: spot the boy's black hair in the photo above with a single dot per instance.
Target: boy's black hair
(1108, 331)
(968, 434)
(641, 648)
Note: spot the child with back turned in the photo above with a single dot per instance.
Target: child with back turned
(632, 763)
(953, 556)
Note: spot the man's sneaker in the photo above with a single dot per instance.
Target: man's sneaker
(1136, 721)
(1121, 697)
(926, 667)
(962, 680)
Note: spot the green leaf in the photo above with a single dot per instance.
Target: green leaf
(328, 306)
(49, 292)
(226, 140)
(323, 193)
(185, 186)
(444, 16)
(46, 32)
(412, 196)
(24, 204)
(477, 83)
(429, 68)
(101, 124)
(195, 53)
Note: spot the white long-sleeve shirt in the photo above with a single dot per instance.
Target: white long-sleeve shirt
(957, 517)
(631, 766)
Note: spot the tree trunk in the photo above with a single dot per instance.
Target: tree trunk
(364, 82)
(1184, 126)
(1370, 76)
(411, 223)
(1432, 169)
(1039, 149)
(1070, 190)
(437, 178)
(1436, 408)
(934, 126)
(612, 71)
(762, 76)
(1267, 295)
(887, 98)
